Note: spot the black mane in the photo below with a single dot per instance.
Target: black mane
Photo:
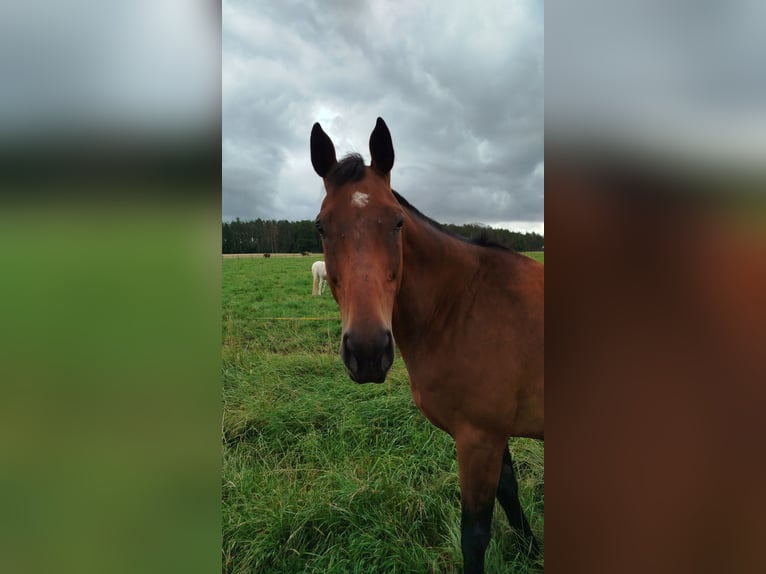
(351, 168)
(482, 239)
(408, 206)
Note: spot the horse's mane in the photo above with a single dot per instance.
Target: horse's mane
(409, 207)
(351, 168)
(482, 239)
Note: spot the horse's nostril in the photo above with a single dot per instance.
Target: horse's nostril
(368, 358)
(347, 353)
(346, 345)
(388, 344)
(387, 357)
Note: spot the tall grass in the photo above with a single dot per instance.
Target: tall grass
(321, 474)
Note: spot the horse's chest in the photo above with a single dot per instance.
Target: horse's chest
(431, 405)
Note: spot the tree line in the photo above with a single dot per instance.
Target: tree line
(270, 236)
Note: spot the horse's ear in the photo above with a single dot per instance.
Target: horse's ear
(322, 151)
(381, 148)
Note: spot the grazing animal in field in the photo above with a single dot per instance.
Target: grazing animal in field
(467, 318)
(320, 277)
(267, 255)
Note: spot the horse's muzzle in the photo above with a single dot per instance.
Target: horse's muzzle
(368, 358)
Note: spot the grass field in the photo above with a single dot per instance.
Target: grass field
(321, 474)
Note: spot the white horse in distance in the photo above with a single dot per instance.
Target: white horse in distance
(320, 277)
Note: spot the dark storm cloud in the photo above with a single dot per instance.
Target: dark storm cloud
(460, 87)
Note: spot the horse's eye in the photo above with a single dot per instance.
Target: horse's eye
(399, 223)
(319, 227)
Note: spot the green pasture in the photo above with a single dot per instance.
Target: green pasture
(321, 474)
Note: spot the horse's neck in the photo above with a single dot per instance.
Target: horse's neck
(437, 268)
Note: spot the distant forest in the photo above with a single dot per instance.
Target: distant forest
(268, 236)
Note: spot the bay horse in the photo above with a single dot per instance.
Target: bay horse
(467, 318)
(320, 278)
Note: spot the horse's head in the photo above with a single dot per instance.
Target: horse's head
(360, 223)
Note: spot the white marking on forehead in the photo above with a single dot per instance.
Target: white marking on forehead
(360, 199)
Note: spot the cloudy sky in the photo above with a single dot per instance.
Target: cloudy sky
(120, 65)
(460, 85)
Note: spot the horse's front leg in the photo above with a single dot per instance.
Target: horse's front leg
(508, 495)
(479, 462)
